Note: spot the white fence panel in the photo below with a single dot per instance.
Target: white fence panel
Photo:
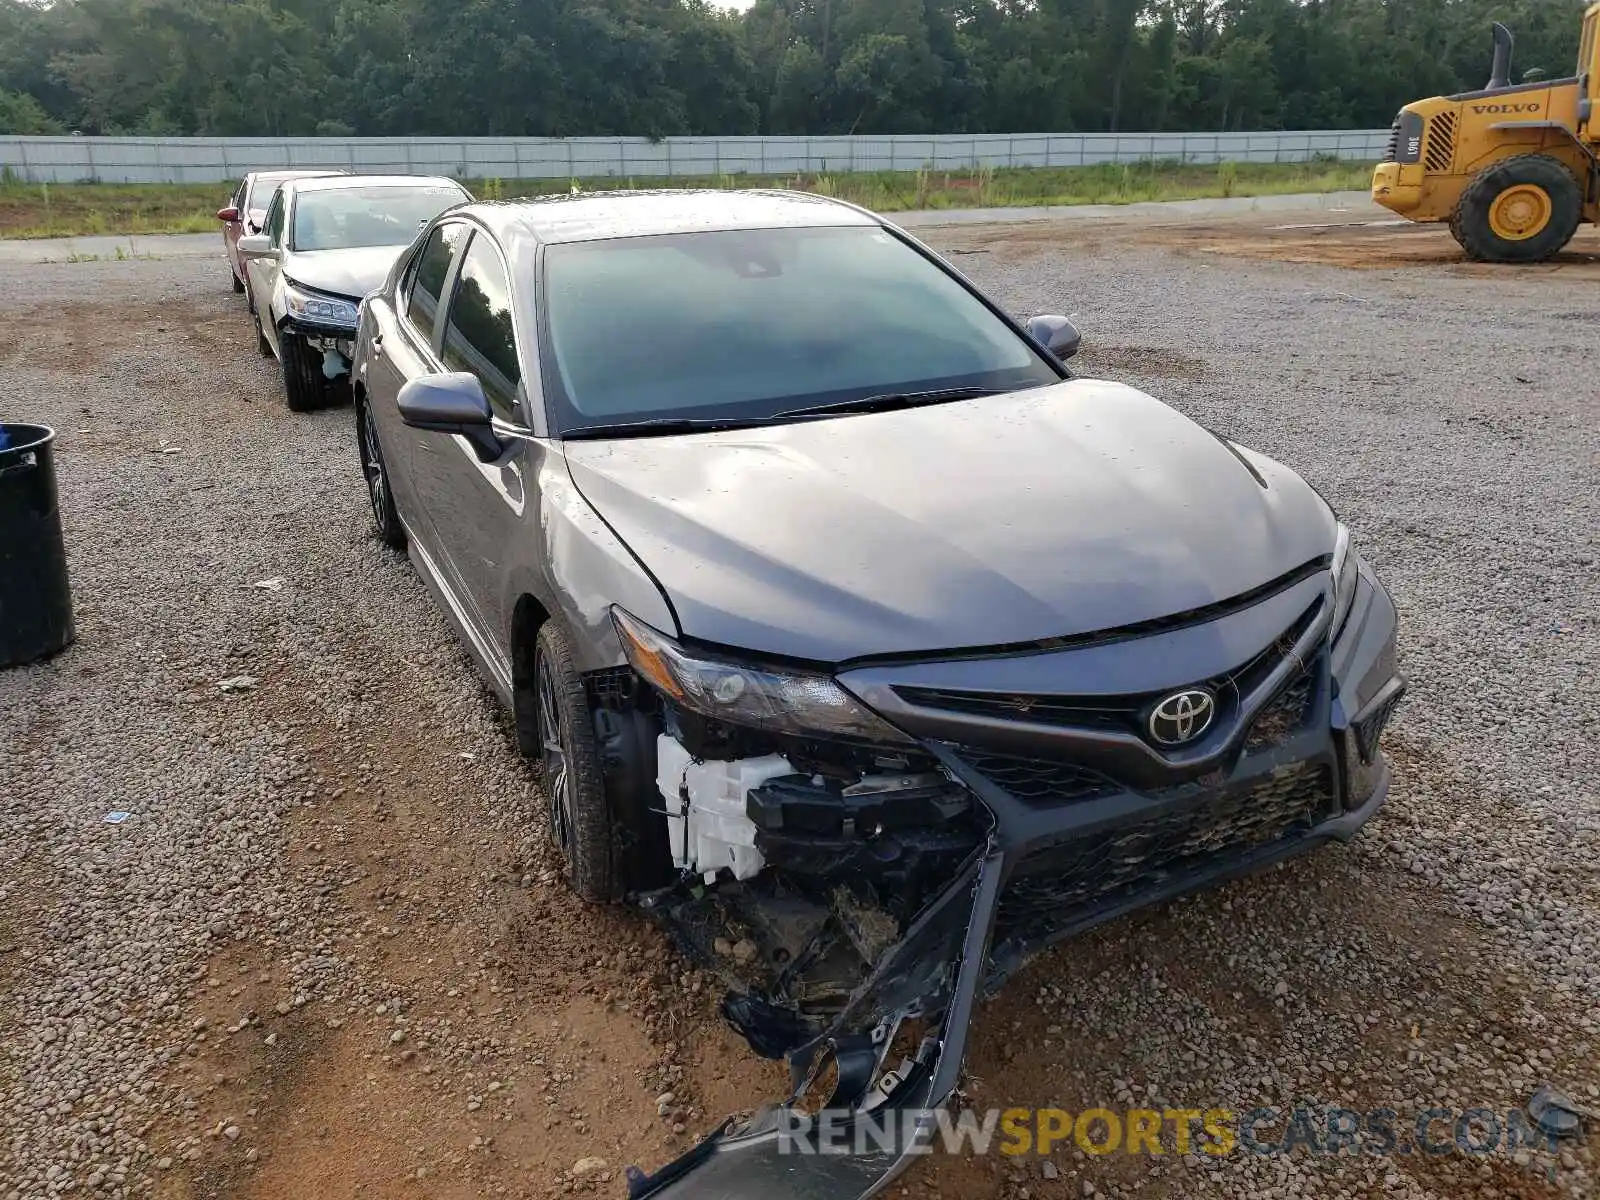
(213, 159)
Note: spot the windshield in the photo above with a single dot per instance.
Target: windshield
(263, 187)
(750, 323)
(344, 218)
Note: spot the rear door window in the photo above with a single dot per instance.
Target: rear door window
(429, 275)
(478, 335)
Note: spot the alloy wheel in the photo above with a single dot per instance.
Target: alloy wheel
(554, 756)
(372, 467)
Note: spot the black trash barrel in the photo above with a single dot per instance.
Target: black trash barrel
(35, 600)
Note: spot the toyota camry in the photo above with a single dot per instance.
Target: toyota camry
(856, 639)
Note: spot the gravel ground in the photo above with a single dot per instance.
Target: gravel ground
(328, 954)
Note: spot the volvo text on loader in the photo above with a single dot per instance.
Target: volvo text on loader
(1512, 168)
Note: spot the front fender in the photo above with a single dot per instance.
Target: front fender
(577, 568)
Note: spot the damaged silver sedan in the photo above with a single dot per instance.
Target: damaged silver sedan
(858, 641)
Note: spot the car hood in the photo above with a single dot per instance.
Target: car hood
(1063, 510)
(351, 273)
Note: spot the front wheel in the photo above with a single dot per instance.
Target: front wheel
(1521, 210)
(384, 515)
(581, 822)
(303, 384)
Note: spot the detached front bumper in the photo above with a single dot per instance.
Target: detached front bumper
(1297, 765)
(324, 336)
(848, 1152)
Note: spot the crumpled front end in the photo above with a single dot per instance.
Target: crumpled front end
(878, 1116)
(1037, 794)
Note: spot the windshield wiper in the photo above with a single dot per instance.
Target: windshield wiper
(658, 426)
(889, 400)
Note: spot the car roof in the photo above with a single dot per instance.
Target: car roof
(330, 183)
(596, 216)
(286, 175)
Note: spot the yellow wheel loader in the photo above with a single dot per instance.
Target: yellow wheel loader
(1512, 168)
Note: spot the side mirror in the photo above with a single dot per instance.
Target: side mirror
(255, 245)
(227, 215)
(451, 403)
(1056, 334)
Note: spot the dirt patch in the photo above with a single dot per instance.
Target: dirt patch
(1367, 246)
(466, 1027)
(1363, 244)
(84, 336)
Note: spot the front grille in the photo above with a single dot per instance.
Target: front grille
(1441, 150)
(1121, 713)
(1284, 717)
(1039, 781)
(1072, 712)
(1392, 154)
(1054, 885)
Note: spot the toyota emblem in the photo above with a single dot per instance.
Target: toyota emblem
(1182, 717)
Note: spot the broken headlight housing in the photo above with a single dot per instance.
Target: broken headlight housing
(775, 700)
(1346, 573)
(325, 310)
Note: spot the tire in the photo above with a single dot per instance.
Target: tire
(385, 518)
(303, 385)
(238, 284)
(1521, 210)
(263, 346)
(581, 822)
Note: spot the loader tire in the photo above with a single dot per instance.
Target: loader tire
(1521, 210)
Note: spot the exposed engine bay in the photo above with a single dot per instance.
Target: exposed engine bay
(799, 864)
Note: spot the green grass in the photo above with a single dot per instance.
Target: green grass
(34, 210)
(80, 209)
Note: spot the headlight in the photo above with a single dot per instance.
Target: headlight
(324, 309)
(1346, 571)
(778, 701)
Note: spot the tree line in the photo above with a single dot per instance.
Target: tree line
(655, 68)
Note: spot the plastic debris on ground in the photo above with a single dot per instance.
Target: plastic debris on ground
(1555, 1113)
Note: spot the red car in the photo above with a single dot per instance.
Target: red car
(248, 209)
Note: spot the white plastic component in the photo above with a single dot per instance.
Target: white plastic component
(711, 831)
